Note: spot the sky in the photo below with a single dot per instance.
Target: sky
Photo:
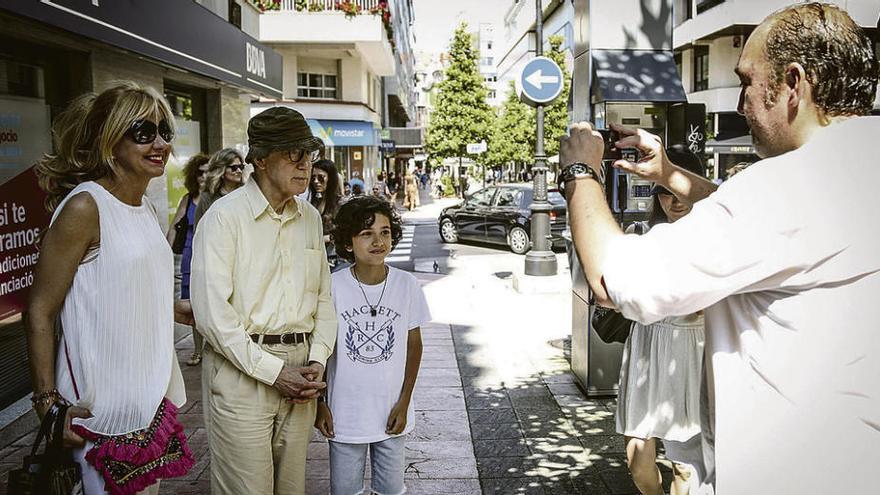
(436, 20)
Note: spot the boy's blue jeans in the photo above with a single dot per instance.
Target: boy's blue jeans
(387, 462)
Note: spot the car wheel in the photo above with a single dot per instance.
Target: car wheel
(448, 232)
(518, 240)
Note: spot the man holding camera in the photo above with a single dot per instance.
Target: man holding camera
(781, 259)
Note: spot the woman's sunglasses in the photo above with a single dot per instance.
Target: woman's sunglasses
(236, 168)
(144, 131)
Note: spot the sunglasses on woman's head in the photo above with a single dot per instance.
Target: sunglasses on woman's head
(144, 131)
(297, 155)
(236, 168)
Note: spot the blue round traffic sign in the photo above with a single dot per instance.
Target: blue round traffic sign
(540, 81)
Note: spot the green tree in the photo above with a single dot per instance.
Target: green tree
(513, 135)
(461, 115)
(556, 114)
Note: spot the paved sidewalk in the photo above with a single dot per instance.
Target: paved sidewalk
(498, 411)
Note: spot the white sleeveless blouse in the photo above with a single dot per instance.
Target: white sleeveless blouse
(118, 321)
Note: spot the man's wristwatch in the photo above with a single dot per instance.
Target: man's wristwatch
(578, 170)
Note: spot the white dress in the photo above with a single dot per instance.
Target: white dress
(659, 394)
(118, 321)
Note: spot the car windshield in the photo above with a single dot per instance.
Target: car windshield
(555, 198)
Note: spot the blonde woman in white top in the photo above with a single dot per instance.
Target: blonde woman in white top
(107, 271)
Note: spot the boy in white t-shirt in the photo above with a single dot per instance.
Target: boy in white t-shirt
(372, 373)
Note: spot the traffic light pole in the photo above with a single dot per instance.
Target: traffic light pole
(540, 260)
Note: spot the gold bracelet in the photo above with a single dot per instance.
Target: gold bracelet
(45, 398)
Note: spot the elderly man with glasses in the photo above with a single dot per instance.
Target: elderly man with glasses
(261, 295)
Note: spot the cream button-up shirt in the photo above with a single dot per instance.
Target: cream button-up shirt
(255, 271)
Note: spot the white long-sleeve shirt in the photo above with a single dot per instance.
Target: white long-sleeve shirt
(785, 259)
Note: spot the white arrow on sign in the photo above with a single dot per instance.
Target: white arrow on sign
(538, 79)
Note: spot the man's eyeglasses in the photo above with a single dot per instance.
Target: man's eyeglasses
(144, 131)
(297, 155)
(236, 168)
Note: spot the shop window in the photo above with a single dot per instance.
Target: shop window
(310, 85)
(181, 104)
(701, 68)
(20, 79)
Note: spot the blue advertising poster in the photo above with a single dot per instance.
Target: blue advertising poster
(344, 132)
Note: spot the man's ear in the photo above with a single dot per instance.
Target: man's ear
(795, 81)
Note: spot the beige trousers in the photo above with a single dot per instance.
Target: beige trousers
(257, 440)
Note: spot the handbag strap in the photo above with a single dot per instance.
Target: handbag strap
(51, 428)
(70, 368)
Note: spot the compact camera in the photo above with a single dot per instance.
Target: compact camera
(610, 136)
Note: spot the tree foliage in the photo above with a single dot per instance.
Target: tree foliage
(556, 114)
(513, 134)
(461, 115)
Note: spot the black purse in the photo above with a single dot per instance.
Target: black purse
(180, 229)
(54, 472)
(610, 325)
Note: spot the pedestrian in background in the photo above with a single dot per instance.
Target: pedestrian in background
(106, 272)
(393, 187)
(325, 194)
(225, 174)
(659, 385)
(381, 187)
(380, 310)
(788, 287)
(411, 198)
(261, 296)
(180, 234)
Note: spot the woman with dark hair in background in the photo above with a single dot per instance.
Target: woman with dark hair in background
(225, 174)
(180, 233)
(325, 195)
(660, 374)
(106, 273)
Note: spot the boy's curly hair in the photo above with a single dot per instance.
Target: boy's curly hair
(358, 214)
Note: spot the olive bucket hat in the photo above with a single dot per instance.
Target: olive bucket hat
(279, 128)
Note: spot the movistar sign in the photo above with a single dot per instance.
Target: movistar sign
(344, 132)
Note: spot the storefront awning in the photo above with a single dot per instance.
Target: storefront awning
(189, 36)
(741, 145)
(636, 75)
(345, 132)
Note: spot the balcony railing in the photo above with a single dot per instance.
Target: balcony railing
(319, 5)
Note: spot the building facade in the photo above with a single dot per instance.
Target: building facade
(487, 45)
(56, 51)
(348, 68)
(708, 38)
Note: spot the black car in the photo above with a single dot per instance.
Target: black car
(500, 214)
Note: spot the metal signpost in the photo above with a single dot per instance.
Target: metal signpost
(540, 83)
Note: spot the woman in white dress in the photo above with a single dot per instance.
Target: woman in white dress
(659, 388)
(106, 273)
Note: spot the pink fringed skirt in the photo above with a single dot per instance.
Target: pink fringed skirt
(132, 462)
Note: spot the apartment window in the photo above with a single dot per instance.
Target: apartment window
(487, 61)
(677, 59)
(491, 94)
(701, 68)
(704, 5)
(235, 14)
(311, 85)
(489, 45)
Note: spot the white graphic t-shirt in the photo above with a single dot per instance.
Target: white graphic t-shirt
(365, 374)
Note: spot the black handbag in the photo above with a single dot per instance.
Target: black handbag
(54, 472)
(610, 325)
(180, 229)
